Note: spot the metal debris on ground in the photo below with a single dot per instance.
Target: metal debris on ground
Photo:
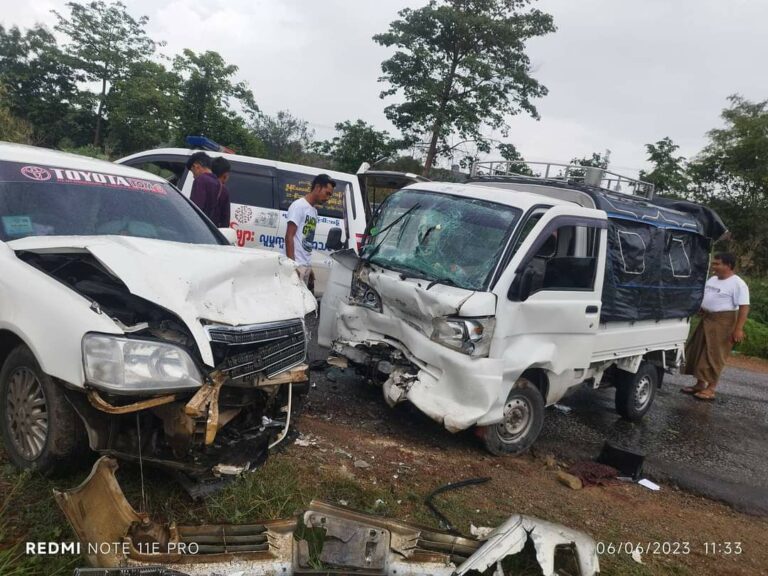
(351, 542)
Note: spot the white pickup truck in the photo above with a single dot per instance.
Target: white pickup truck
(130, 325)
(483, 303)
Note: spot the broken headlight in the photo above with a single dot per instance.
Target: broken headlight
(127, 366)
(470, 336)
(363, 295)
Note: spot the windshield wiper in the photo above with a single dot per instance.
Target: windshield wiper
(387, 228)
(442, 281)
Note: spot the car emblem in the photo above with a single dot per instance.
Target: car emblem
(36, 173)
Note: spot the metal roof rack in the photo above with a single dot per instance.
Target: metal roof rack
(537, 172)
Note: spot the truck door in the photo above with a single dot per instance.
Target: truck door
(336, 292)
(550, 310)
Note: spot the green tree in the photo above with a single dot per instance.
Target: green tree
(13, 129)
(40, 88)
(355, 143)
(104, 40)
(143, 108)
(209, 97)
(511, 154)
(731, 175)
(669, 173)
(460, 65)
(284, 136)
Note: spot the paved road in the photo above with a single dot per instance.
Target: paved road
(718, 449)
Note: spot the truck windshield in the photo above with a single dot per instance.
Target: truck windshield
(48, 201)
(441, 237)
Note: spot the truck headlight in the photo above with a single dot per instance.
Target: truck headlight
(363, 295)
(468, 335)
(127, 366)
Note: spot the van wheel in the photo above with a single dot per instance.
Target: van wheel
(635, 392)
(523, 420)
(40, 430)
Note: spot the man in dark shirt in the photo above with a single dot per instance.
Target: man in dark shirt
(221, 169)
(207, 191)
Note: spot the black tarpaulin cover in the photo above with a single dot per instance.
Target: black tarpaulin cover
(657, 261)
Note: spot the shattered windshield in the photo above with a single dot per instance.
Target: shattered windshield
(441, 237)
(47, 201)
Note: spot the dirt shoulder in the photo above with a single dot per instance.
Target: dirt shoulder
(750, 363)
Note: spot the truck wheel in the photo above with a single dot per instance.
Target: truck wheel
(40, 430)
(635, 392)
(523, 419)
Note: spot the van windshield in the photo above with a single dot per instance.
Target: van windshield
(449, 239)
(48, 201)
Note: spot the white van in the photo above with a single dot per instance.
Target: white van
(128, 323)
(261, 192)
(483, 303)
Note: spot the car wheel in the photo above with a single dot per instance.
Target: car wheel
(40, 430)
(523, 420)
(635, 392)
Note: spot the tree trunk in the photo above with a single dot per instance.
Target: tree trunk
(432, 152)
(97, 134)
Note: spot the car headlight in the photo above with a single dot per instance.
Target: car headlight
(127, 366)
(468, 335)
(363, 295)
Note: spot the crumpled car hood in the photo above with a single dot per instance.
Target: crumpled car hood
(418, 305)
(220, 284)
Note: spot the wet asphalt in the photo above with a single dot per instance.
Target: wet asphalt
(717, 449)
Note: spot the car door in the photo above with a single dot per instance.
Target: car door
(344, 263)
(550, 308)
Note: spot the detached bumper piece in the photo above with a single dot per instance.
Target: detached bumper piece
(325, 540)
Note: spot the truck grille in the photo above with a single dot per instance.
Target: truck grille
(242, 351)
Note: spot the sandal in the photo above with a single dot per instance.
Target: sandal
(705, 395)
(691, 390)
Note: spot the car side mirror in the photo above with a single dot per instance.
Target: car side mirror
(334, 239)
(230, 234)
(523, 284)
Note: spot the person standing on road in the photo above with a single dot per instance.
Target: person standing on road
(221, 169)
(206, 190)
(302, 222)
(724, 311)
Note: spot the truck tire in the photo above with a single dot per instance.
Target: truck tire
(40, 429)
(635, 392)
(523, 420)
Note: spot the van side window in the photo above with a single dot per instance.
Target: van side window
(251, 189)
(171, 170)
(567, 260)
(573, 262)
(294, 185)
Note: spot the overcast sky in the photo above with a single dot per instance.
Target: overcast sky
(620, 73)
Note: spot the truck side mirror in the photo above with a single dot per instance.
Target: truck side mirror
(526, 282)
(334, 239)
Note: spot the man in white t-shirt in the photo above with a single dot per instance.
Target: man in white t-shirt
(724, 311)
(302, 223)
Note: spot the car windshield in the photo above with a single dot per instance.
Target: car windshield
(48, 201)
(442, 237)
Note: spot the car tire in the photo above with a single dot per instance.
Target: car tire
(40, 429)
(635, 392)
(523, 420)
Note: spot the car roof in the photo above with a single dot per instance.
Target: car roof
(345, 176)
(507, 196)
(55, 158)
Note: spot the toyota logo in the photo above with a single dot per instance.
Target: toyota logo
(36, 173)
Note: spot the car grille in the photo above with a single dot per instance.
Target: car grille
(269, 348)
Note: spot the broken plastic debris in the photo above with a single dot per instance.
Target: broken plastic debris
(650, 485)
(563, 408)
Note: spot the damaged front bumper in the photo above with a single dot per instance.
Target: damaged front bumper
(325, 540)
